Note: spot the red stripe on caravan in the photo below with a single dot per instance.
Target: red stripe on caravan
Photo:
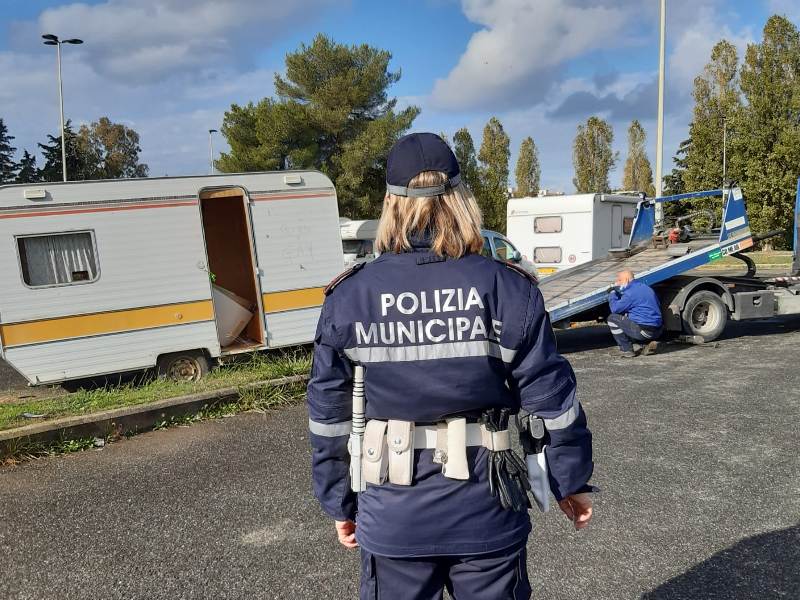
(94, 210)
(289, 197)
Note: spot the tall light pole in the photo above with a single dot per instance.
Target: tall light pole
(211, 133)
(52, 40)
(660, 122)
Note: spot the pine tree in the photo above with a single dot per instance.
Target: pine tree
(8, 166)
(673, 182)
(82, 163)
(494, 155)
(765, 145)
(528, 170)
(638, 175)
(464, 149)
(593, 156)
(28, 173)
(332, 113)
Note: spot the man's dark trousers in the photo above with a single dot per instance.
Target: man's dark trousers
(626, 332)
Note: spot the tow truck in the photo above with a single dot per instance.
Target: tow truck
(696, 307)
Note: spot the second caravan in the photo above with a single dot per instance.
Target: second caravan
(559, 232)
(111, 276)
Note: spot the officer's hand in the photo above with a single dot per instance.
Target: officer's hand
(578, 509)
(346, 532)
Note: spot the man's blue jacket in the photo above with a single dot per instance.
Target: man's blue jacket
(438, 338)
(638, 302)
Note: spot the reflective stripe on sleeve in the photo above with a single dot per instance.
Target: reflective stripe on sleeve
(330, 429)
(368, 354)
(563, 420)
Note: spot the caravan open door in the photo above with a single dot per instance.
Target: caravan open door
(236, 291)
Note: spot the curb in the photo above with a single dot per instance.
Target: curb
(136, 418)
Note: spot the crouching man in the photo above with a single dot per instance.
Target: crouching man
(635, 315)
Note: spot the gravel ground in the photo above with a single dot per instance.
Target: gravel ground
(696, 452)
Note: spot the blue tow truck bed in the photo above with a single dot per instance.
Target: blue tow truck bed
(580, 293)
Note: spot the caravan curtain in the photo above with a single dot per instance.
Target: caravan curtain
(56, 259)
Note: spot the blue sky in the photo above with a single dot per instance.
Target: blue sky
(170, 68)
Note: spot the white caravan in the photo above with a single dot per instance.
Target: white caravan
(558, 232)
(104, 277)
(358, 240)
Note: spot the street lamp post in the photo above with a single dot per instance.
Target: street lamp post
(660, 123)
(211, 150)
(52, 40)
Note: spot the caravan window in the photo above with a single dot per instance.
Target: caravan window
(627, 225)
(58, 259)
(547, 225)
(547, 254)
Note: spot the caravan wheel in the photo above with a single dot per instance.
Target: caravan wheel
(183, 366)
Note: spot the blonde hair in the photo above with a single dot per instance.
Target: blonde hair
(452, 219)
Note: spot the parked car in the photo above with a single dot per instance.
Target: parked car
(499, 246)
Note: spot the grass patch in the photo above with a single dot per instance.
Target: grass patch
(144, 389)
(256, 398)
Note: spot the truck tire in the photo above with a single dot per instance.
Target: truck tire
(705, 315)
(190, 365)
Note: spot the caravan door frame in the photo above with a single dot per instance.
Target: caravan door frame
(224, 192)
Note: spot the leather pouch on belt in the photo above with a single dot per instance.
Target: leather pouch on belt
(456, 466)
(400, 439)
(375, 461)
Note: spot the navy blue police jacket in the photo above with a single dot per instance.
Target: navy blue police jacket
(438, 338)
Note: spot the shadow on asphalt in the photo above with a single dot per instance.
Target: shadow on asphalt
(763, 566)
(597, 337)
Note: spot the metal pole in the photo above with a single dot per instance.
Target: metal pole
(724, 151)
(211, 153)
(61, 106)
(660, 122)
(211, 133)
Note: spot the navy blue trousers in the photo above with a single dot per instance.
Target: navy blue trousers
(626, 332)
(497, 576)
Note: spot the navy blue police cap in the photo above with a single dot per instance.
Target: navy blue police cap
(417, 152)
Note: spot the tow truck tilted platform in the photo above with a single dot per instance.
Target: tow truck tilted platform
(696, 305)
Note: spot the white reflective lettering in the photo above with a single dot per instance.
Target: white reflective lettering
(387, 333)
(473, 298)
(446, 305)
(462, 325)
(423, 299)
(478, 328)
(497, 328)
(367, 336)
(387, 300)
(429, 334)
(414, 303)
(406, 331)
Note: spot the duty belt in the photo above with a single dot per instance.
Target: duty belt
(389, 447)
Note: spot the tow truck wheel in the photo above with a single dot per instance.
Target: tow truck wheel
(705, 315)
(183, 366)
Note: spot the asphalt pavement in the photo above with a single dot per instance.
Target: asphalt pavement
(696, 451)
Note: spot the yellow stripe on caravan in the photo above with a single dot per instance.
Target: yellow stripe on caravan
(60, 328)
(293, 299)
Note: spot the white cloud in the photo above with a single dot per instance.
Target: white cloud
(692, 44)
(150, 40)
(167, 68)
(514, 59)
(788, 8)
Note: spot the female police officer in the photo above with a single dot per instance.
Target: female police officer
(450, 343)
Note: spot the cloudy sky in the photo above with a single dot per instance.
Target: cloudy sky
(170, 68)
